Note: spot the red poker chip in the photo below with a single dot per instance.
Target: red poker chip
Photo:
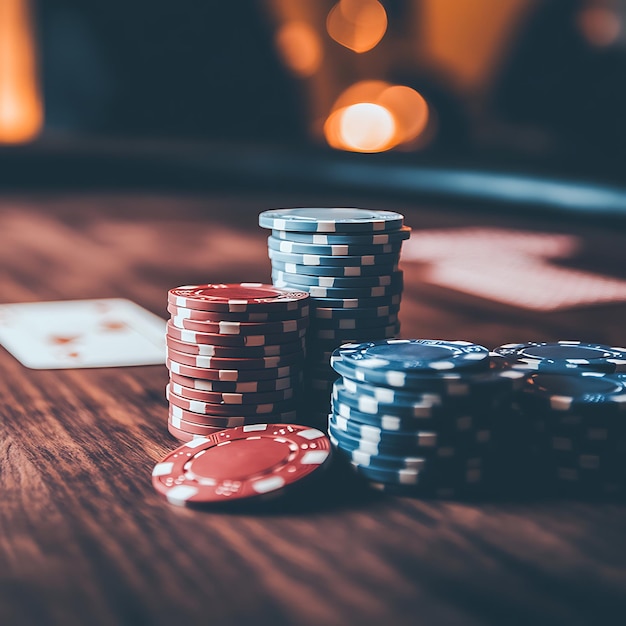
(237, 298)
(179, 417)
(249, 317)
(220, 397)
(242, 328)
(234, 364)
(231, 375)
(229, 410)
(181, 435)
(253, 386)
(245, 462)
(198, 429)
(194, 428)
(176, 414)
(226, 352)
(193, 336)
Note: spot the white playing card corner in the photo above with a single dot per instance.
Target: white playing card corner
(111, 332)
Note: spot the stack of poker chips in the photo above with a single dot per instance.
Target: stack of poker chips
(347, 260)
(574, 408)
(416, 415)
(235, 355)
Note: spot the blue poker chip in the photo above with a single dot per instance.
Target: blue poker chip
(340, 335)
(441, 421)
(589, 391)
(343, 292)
(318, 260)
(337, 282)
(352, 323)
(338, 271)
(329, 239)
(416, 478)
(563, 356)
(357, 303)
(421, 406)
(396, 359)
(336, 313)
(488, 390)
(410, 439)
(398, 462)
(426, 443)
(464, 383)
(351, 443)
(340, 250)
(331, 220)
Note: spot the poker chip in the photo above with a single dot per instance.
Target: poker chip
(230, 352)
(341, 250)
(241, 328)
(442, 420)
(349, 292)
(343, 335)
(243, 462)
(235, 298)
(191, 422)
(246, 317)
(224, 397)
(226, 409)
(357, 303)
(235, 375)
(396, 359)
(334, 270)
(599, 392)
(317, 260)
(197, 424)
(353, 323)
(563, 356)
(212, 362)
(222, 386)
(334, 313)
(331, 220)
(336, 282)
(235, 355)
(192, 336)
(181, 435)
(361, 239)
(413, 440)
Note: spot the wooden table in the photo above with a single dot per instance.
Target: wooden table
(84, 538)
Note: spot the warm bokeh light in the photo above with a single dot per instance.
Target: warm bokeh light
(599, 25)
(363, 127)
(21, 108)
(373, 116)
(300, 47)
(357, 24)
(409, 109)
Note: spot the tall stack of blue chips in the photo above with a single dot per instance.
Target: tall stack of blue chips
(347, 260)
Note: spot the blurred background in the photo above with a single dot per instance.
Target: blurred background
(314, 91)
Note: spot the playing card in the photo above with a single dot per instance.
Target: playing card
(82, 333)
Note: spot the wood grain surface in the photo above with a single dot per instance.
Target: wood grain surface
(84, 538)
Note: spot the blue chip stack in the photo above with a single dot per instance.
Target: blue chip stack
(347, 260)
(574, 406)
(417, 415)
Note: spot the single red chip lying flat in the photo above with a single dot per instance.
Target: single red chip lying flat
(237, 298)
(244, 462)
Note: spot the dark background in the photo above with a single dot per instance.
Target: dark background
(155, 77)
